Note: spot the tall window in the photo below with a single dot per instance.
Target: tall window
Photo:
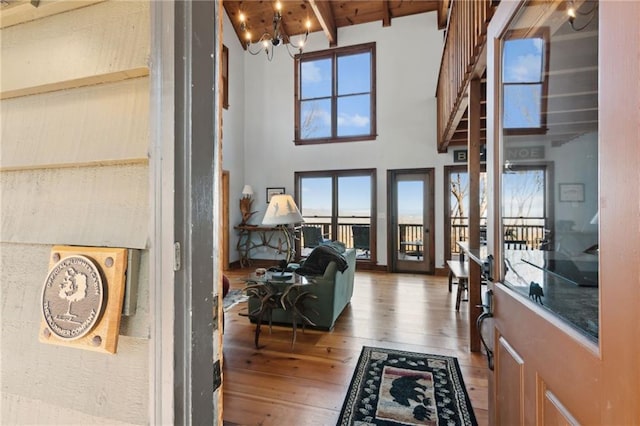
(335, 95)
(340, 203)
(525, 82)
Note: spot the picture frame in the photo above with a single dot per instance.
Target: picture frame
(273, 191)
(571, 192)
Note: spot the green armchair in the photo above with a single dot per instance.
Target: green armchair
(333, 290)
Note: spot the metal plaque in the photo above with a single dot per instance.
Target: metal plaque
(72, 297)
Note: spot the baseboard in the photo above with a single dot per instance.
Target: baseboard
(360, 266)
(442, 272)
(368, 266)
(255, 263)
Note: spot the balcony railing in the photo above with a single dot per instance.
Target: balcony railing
(344, 234)
(531, 230)
(464, 42)
(406, 232)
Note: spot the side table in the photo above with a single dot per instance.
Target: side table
(289, 295)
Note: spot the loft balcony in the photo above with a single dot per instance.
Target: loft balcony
(463, 58)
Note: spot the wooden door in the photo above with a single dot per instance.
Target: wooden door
(549, 368)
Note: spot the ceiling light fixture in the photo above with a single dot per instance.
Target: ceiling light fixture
(268, 41)
(573, 12)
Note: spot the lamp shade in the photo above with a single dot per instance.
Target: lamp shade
(247, 190)
(282, 210)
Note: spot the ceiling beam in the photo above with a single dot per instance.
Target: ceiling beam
(443, 10)
(324, 15)
(386, 14)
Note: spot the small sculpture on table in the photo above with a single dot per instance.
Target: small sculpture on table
(535, 292)
(245, 205)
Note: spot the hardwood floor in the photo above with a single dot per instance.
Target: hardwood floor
(306, 386)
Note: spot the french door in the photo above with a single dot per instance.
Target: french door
(410, 223)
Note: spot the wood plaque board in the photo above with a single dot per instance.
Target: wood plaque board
(104, 335)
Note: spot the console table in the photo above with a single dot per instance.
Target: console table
(267, 236)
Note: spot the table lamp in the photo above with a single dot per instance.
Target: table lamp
(282, 212)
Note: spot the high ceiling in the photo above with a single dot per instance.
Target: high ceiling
(326, 16)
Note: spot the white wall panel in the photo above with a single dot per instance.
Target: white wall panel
(233, 146)
(110, 37)
(74, 170)
(95, 206)
(102, 123)
(73, 380)
(19, 409)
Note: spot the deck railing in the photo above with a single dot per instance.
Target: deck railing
(344, 235)
(464, 41)
(531, 230)
(406, 232)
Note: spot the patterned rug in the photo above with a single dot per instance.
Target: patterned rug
(391, 387)
(233, 298)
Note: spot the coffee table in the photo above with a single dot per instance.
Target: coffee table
(277, 293)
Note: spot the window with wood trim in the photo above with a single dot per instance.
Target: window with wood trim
(525, 79)
(225, 77)
(335, 95)
(341, 203)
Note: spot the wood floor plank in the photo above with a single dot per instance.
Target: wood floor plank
(306, 385)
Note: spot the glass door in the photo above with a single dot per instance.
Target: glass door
(410, 216)
(338, 206)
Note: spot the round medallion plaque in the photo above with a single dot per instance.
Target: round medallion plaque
(72, 297)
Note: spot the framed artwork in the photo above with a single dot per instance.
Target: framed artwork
(273, 191)
(225, 77)
(571, 192)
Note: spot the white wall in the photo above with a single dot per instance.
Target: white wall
(73, 170)
(408, 57)
(233, 130)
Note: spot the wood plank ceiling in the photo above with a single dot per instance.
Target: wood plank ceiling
(325, 16)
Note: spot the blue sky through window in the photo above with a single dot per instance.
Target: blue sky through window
(410, 201)
(354, 196)
(523, 76)
(353, 89)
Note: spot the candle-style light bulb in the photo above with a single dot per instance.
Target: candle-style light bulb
(242, 17)
(278, 6)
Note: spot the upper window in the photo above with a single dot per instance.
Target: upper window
(335, 95)
(524, 82)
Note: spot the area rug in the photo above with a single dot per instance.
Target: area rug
(233, 298)
(391, 387)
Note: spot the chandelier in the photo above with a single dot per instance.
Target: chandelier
(269, 41)
(574, 12)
